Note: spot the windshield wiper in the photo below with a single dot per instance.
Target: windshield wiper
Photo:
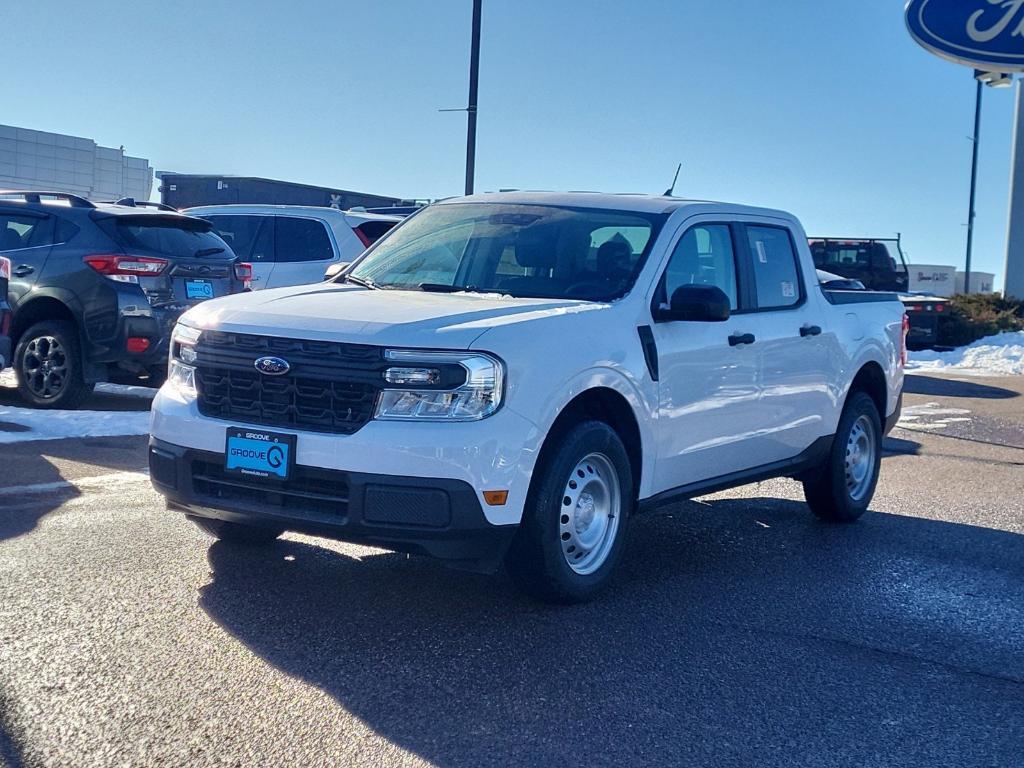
(360, 281)
(442, 288)
(207, 252)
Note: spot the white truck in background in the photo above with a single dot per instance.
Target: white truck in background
(509, 378)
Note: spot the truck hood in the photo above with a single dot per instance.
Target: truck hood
(345, 313)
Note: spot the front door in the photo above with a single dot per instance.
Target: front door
(709, 411)
(303, 251)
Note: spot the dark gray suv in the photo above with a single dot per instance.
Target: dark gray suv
(95, 289)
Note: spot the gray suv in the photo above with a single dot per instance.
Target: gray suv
(95, 289)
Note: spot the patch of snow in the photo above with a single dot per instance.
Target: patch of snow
(31, 424)
(1001, 355)
(931, 416)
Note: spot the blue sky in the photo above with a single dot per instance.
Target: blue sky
(827, 109)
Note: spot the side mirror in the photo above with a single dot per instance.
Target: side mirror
(336, 269)
(697, 304)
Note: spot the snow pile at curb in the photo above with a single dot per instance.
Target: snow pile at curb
(30, 424)
(1001, 355)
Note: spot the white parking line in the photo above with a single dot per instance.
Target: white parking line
(112, 481)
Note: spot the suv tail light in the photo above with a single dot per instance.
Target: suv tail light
(363, 237)
(5, 268)
(243, 272)
(903, 340)
(115, 265)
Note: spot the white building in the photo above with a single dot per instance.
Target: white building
(51, 161)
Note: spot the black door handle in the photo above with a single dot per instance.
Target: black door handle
(810, 330)
(23, 269)
(741, 338)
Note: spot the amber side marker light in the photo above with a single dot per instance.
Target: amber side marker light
(496, 498)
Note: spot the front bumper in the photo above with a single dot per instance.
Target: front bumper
(442, 518)
(5, 352)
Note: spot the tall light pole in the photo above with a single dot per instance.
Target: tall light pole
(474, 84)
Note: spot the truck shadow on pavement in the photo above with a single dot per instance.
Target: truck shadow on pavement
(738, 632)
(939, 387)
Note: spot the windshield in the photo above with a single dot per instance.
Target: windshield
(534, 251)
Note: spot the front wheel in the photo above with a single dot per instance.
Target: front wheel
(841, 490)
(575, 518)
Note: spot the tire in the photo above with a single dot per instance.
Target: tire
(236, 533)
(566, 552)
(841, 490)
(48, 364)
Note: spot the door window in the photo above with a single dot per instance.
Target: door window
(18, 231)
(776, 275)
(250, 237)
(704, 256)
(301, 240)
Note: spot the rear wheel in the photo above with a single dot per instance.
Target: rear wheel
(575, 519)
(843, 487)
(48, 363)
(236, 533)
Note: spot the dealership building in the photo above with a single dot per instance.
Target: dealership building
(55, 162)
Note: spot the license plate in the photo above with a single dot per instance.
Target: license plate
(255, 453)
(198, 289)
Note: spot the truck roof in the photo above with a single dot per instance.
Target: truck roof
(622, 202)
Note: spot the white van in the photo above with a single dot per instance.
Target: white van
(292, 244)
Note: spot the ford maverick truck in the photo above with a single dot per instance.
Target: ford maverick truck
(510, 378)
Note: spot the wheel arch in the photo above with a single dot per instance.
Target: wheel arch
(608, 405)
(871, 380)
(38, 309)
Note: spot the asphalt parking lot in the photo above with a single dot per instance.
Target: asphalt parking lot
(740, 631)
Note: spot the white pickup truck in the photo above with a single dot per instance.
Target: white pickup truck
(509, 378)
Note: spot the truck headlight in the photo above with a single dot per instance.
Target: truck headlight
(181, 373)
(440, 386)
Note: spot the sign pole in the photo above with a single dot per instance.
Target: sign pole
(1013, 284)
(974, 186)
(474, 89)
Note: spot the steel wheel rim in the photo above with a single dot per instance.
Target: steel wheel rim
(44, 368)
(589, 513)
(861, 451)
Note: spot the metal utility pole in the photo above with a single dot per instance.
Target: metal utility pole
(976, 140)
(474, 83)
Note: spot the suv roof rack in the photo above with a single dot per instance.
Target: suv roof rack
(131, 202)
(35, 197)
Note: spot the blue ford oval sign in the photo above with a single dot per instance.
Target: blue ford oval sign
(984, 34)
(272, 366)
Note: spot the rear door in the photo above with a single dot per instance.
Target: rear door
(794, 350)
(26, 238)
(251, 237)
(303, 249)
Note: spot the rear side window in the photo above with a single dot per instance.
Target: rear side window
(704, 256)
(18, 231)
(251, 238)
(776, 274)
(301, 240)
(169, 236)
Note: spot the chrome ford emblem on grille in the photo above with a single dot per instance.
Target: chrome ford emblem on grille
(272, 366)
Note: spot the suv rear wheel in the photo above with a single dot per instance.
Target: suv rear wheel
(48, 363)
(575, 519)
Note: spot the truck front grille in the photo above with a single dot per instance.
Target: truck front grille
(330, 387)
